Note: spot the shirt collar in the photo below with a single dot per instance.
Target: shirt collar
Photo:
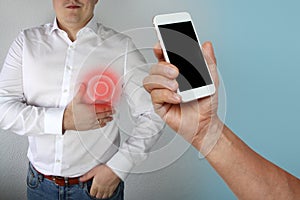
(54, 26)
(92, 24)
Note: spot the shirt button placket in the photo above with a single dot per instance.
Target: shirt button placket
(58, 154)
(64, 100)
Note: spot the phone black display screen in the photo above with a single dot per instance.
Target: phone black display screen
(184, 52)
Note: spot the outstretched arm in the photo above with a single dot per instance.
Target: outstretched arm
(248, 174)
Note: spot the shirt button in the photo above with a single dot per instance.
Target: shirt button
(65, 90)
(57, 161)
(69, 67)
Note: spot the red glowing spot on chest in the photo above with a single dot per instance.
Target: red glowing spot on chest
(103, 86)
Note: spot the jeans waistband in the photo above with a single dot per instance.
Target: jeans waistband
(58, 180)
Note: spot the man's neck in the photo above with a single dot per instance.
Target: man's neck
(72, 28)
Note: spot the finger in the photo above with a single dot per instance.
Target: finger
(94, 191)
(158, 52)
(102, 125)
(110, 194)
(87, 176)
(99, 108)
(161, 96)
(100, 193)
(164, 69)
(104, 114)
(96, 126)
(80, 93)
(159, 82)
(105, 120)
(210, 58)
(209, 53)
(105, 195)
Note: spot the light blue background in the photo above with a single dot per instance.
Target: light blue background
(257, 45)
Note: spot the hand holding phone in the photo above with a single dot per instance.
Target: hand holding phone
(181, 47)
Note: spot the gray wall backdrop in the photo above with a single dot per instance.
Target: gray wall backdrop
(257, 46)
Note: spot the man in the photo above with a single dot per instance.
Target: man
(249, 175)
(52, 88)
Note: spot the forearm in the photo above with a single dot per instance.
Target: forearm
(249, 175)
(17, 114)
(135, 149)
(29, 120)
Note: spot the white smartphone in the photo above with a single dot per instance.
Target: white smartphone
(181, 47)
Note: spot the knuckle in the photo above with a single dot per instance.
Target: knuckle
(172, 84)
(158, 95)
(155, 94)
(154, 68)
(165, 94)
(146, 81)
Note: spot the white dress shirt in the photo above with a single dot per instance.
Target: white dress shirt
(40, 77)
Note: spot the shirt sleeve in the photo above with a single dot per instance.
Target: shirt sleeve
(16, 115)
(148, 125)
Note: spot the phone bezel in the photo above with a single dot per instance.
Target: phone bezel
(172, 18)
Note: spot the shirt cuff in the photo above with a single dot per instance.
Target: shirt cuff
(53, 120)
(120, 165)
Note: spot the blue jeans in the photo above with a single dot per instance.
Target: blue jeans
(40, 188)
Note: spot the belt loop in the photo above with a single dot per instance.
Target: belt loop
(66, 181)
(40, 177)
(81, 184)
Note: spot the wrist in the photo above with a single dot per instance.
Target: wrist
(210, 134)
(113, 174)
(67, 120)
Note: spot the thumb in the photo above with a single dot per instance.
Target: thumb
(87, 176)
(209, 54)
(80, 93)
(158, 52)
(211, 60)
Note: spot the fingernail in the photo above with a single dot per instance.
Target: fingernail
(176, 97)
(172, 84)
(157, 46)
(172, 72)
